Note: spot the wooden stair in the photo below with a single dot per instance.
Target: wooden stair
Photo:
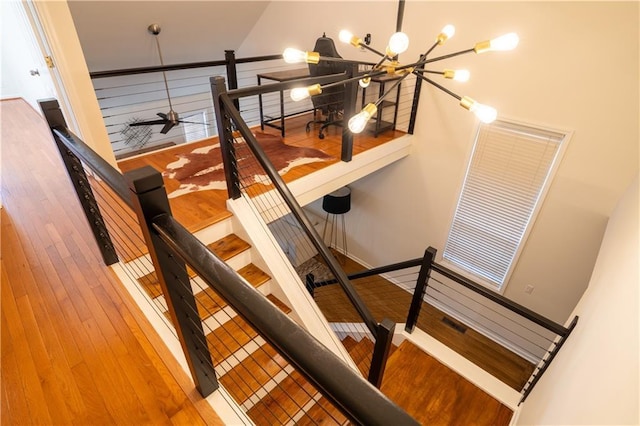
(434, 394)
(267, 388)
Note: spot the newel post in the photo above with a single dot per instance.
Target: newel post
(381, 349)
(150, 200)
(53, 114)
(225, 135)
(421, 289)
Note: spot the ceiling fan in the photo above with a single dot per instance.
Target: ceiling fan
(170, 119)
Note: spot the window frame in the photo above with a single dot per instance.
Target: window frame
(563, 144)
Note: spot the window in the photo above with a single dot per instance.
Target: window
(195, 127)
(508, 172)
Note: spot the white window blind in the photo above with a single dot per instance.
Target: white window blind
(195, 127)
(505, 178)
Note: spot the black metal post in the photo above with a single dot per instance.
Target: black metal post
(150, 201)
(381, 351)
(400, 15)
(53, 114)
(309, 284)
(350, 95)
(232, 73)
(421, 289)
(226, 138)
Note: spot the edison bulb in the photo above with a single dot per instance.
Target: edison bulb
(358, 122)
(398, 43)
(505, 42)
(299, 93)
(345, 36)
(293, 56)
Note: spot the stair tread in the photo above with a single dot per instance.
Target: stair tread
(279, 303)
(151, 285)
(235, 333)
(229, 246)
(209, 302)
(254, 275)
(324, 413)
(225, 248)
(253, 373)
(228, 338)
(361, 354)
(349, 343)
(283, 402)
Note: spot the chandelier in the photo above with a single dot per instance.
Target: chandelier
(388, 64)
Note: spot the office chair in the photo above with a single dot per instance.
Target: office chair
(331, 101)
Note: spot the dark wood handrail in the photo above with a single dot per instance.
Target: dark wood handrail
(299, 214)
(357, 398)
(501, 300)
(175, 67)
(99, 165)
(376, 271)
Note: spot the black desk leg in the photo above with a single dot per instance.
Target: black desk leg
(282, 112)
(260, 107)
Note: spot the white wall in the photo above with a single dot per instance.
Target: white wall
(595, 377)
(20, 56)
(114, 33)
(576, 68)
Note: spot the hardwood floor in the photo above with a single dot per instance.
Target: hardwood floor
(201, 208)
(386, 300)
(435, 395)
(75, 348)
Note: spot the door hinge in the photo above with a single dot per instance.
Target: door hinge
(49, 61)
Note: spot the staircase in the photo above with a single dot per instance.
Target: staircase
(265, 386)
(272, 392)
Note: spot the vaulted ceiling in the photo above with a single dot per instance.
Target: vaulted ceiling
(114, 35)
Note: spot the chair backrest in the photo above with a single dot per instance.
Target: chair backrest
(331, 98)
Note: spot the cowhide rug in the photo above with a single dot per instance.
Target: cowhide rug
(202, 168)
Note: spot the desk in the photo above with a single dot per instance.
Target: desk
(378, 124)
(279, 77)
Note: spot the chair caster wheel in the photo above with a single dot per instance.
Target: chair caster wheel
(308, 128)
(321, 135)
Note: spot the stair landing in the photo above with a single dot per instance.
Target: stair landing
(434, 394)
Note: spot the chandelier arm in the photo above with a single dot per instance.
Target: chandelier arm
(430, 49)
(344, 61)
(371, 49)
(444, 89)
(422, 70)
(356, 78)
(439, 58)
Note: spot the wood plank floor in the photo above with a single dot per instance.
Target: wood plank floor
(75, 348)
(386, 300)
(436, 395)
(201, 208)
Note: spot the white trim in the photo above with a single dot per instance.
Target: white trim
(284, 275)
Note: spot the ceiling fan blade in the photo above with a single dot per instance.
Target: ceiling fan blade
(147, 123)
(193, 122)
(168, 127)
(163, 115)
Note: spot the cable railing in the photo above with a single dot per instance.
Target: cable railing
(250, 173)
(426, 283)
(230, 332)
(129, 96)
